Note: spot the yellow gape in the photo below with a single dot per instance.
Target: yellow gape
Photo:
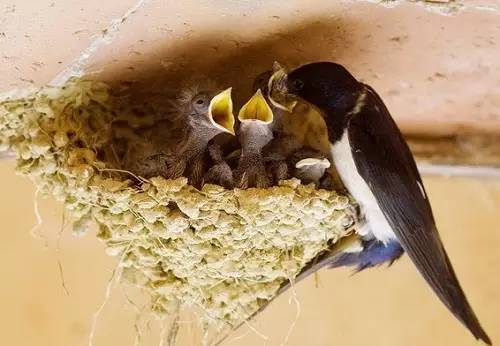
(220, 111)
(256, 109)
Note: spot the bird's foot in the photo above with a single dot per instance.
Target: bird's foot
(354, 216)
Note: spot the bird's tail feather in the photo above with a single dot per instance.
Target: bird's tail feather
(455, 300)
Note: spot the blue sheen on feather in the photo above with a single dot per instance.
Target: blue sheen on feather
(374, 253)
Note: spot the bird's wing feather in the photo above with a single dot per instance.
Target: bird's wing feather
(384, 161)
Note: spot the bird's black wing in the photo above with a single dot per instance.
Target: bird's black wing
(384, 161)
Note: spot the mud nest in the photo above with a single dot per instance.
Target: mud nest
(226, 251)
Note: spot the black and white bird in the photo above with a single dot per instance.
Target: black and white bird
(378, 169)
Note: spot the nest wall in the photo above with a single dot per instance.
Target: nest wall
(225, 251)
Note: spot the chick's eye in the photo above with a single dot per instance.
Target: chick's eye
(200, 102)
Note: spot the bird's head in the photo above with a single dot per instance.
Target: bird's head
(322, 84)
(262, 80)
(207, 109)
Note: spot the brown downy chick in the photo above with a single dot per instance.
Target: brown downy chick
(277, 170)
(261, 82)
(256, 118)
(302, 126)
(220, 173)
(309, 166)
(205, 114)
(282, 145)
(276, 166)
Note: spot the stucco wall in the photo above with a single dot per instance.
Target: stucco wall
(435, 65)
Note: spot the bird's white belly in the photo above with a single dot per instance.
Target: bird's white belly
(376, 222)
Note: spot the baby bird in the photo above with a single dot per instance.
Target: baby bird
(256, 118)
(205, 114)
(309, 166)
(282, 145)
(220, 173)
(176, 146)
(261, 82)
(277, 170)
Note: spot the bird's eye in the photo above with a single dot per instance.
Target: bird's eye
(200, 102)
(297, 85)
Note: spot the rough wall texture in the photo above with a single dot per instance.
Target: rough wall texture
(436, 65)
(434, 62)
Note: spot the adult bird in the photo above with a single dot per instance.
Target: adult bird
(379, 171)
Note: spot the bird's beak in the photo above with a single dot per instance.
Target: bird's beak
(277, 90)
(220, 111)
(256, 109)
(324, 163)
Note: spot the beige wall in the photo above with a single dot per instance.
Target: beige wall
(380, 307)
(437, 70)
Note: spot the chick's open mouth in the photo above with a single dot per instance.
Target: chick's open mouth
(221, 111)
(256, 109)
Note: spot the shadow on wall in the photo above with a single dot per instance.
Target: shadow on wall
(230, 62)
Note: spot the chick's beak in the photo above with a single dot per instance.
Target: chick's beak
(256, 109)
(277, 91)
(220, 111)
